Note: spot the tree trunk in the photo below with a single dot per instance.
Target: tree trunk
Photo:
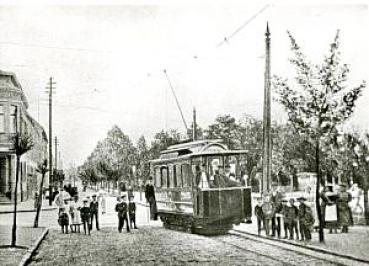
(366, 205)
(317, 192)
(39, 203)
(14, 228)
(21, 186)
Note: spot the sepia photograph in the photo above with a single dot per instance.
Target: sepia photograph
(184, 132)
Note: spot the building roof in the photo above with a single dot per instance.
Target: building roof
(16, 84)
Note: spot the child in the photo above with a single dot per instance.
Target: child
(121, 209)
(63, 220)
(85, 216)
(293, 212)
(286, 218)
(132, 211)
(259, 213)
(268, 213)
(306, 219)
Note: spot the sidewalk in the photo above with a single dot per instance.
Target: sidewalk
(354, 244)
(26, 206)
(28, 238)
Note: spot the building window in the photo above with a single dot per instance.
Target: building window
(13, 119)
(2, 119)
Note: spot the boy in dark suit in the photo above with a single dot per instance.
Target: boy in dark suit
(259, 214)
(132, 211)
(85, 216)
(121, 208)
(94, 208)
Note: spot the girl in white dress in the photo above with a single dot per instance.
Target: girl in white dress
(75, 215)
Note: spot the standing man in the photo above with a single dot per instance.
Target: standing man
(150, 198)
(306, 219)
(343, 209)
(276, 199)
(121, 208)
(85, 216)
(94, 209)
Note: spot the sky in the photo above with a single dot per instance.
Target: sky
(108, 59)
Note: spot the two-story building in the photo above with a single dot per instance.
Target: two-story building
(14, 118)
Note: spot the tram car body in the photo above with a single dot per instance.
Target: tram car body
(185, 204)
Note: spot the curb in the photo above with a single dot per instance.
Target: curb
(31, 251)
(28, 210)
(310, 247)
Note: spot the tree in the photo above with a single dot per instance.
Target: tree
(42, 169)
(22, 143)
(225, 128)
(143, 158)
(317, 102)
(163, 140)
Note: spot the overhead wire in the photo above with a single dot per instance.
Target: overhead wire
(226, 39)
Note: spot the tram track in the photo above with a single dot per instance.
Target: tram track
(282, 253)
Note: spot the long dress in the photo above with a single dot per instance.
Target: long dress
(343, 209)
(75, 213)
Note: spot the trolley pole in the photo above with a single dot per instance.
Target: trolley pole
(267, 143)
(50, 88)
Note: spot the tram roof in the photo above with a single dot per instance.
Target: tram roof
(196, 148)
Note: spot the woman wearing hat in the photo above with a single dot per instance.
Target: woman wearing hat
(343, 209)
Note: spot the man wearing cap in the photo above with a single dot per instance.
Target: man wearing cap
(150, 198)
(306, 219)
(85, 216)
(276, 199)
(121, 208)
(343, 208)
(94, 208)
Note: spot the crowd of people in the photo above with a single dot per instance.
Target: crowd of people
(73, 214)
(274, 212)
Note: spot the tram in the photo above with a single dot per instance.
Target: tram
(185, 204)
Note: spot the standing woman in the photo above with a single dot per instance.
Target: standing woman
(343, 209)
(75, 214)
(150, 198)
(328, 210)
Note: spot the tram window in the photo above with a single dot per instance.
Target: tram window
(178, 175)
(171, 176)
(174, 176)
(164, 176)
(186, 175)
(157, 177)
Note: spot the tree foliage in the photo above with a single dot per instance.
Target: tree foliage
(317, 101)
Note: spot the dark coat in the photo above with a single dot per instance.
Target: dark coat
(94, 206)
(149, 192)
(305, 215)
(121, 208)
(63, 219)
(290, 213)
(85, 213)
(343, 210)
(277, 202)
(259, 212)
(131, 207)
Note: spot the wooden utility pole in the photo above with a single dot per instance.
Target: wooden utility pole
(50, 88)
(56, 153)
(267, 143)
(194, 126)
